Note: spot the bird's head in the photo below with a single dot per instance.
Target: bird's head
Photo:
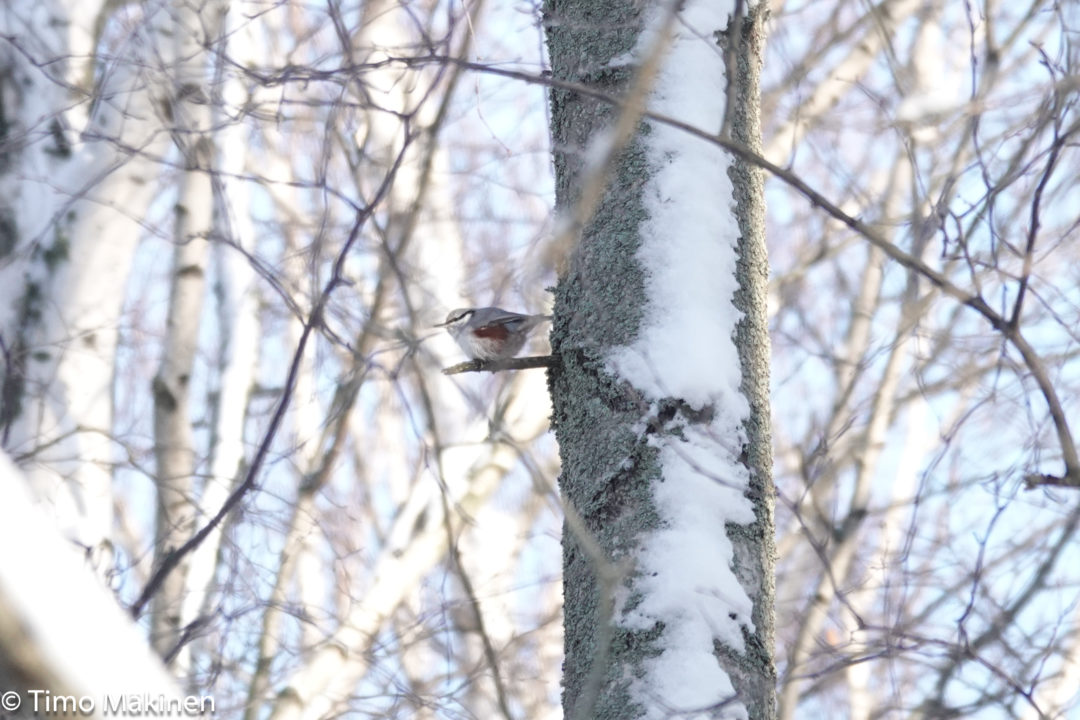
(457, 318)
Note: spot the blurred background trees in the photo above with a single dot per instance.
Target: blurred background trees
(227, 227)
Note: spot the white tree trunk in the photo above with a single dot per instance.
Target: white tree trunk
(77, 239)
(239, 327)
(185, 30)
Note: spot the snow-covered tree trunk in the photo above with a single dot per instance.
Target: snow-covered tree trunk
(661, 396)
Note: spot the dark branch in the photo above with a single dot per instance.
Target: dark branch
(524, 363)
(1034, 480)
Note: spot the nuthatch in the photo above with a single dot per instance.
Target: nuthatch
(490, 333)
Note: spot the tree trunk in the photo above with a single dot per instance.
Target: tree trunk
(174, 441)
(661, 395)
(70, 215)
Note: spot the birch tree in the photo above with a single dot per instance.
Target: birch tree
(661, 406)
(76, 143)
(84, 146)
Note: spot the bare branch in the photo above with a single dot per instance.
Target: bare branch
(523, 363)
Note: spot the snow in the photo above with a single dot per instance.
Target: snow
(686, 580)
(83, 640)
(686, 350)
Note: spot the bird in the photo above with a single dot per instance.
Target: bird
(490, 333)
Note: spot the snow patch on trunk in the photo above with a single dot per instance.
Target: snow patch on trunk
(686, 351)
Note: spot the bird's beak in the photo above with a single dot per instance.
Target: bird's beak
(442, 324)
